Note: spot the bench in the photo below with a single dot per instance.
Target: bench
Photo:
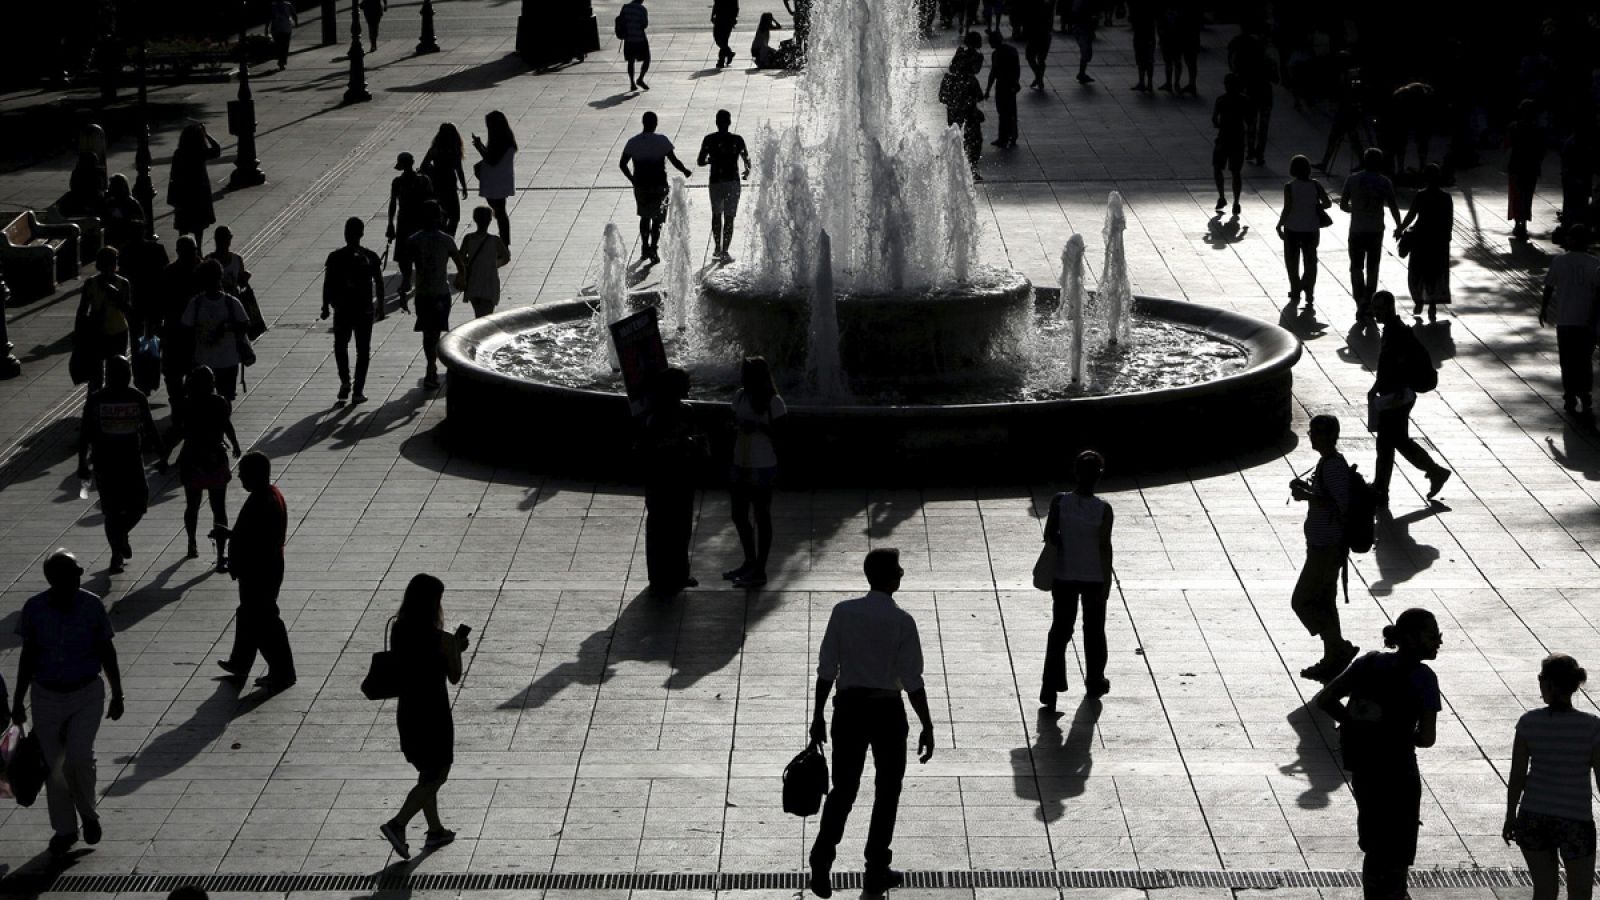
(90, 233)
(37, 256)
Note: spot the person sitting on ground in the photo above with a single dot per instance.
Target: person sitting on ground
(764, 54)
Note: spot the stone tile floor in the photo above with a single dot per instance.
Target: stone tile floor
(600, 731)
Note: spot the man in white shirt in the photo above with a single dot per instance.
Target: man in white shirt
(872, 650)
(1572, 286)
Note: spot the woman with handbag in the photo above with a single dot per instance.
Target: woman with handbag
(1425, 237)
(1078, 531)
(203, 464)
(430, 656)
(1305, 214)
(218, 322)
(496, 171)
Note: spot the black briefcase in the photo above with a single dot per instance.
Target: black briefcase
(805, 782)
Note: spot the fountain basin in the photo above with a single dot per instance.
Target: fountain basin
(589, 433)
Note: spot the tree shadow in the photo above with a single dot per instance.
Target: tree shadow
(1437, 338)
(1221, 233)
(1579, 455)
(1055, 767)
(1398, 555)
(1301, 322)
(1316, 760)
(171, 750)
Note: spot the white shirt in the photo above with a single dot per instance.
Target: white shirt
(753, 449)
(1574, 277)
(215, 345)
(871, 643)
(1078, 538)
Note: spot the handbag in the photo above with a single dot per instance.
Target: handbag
(1403, 246)
(1323, 219)
(1044, 568)
(241, 341)
(255, 323)
(386, 672)
(27, 770)
(805, 782)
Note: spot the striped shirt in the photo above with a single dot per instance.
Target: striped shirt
(1561, 744)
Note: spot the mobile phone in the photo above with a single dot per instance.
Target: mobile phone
(463, 630)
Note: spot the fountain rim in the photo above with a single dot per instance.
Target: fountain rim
(1269, 348)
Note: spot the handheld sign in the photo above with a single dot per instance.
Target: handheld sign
(640, 353)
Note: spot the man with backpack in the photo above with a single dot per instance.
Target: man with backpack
(1330, 495)
(1404, 370)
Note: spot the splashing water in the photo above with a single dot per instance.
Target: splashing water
(679, 281)
(1116, 289)
(824, 370)
(1072, 303)
(613, 292)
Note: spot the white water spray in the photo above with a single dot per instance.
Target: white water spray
(822, 358)
(613, 289)
(679, 280)
(1116, 290)
(1071, 308)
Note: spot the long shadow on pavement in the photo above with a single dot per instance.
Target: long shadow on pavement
(1055, 768)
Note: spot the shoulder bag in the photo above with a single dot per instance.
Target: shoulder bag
(1044, 568)
(386, 672)
(465, 273)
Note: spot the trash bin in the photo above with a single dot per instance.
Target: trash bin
(550, 32)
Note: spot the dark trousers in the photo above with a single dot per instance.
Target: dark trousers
(1005, 110)
(720, 32)
(1388, 805)
(1258, 149)
(1366, 252)
(110, 345)
(280, 45)
(1300, 256)
(227, 381)
(1575, 343)
(344, 328)
(668, 525)
(1066, 597)
(260, 627)
(862, 722)
(1394, 433)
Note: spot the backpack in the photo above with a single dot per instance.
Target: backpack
(147, 364)
(1421, 376)
(1360, 522)
(805, 782)
(620, 27)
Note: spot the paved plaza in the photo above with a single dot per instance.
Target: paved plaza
(602, 732)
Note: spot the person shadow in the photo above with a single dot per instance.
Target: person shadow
(1438, 340)
(1301, 322)
(1580, 454)
(1220, 232)
(175, 748)
(1399, 556)
(613, 101)
(1055, 767)
(1316, 762)
(1362, 343)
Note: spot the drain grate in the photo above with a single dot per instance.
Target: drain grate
(1145, 879)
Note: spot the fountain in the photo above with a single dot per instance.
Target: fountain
(901, 353)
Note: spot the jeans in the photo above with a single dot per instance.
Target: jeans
(344, 328)
(66, 723)
(1388, 804)
(1005, 110)
(1300, 256)
(1575, 344)
(1066, 597)
(1316, 592)
(668, 526)
(1366, 252)
(260, 627)
(1394, 433)
(861, 722)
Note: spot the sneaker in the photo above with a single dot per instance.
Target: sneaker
(359, 398)
(1436, 482)
(1098, 687)
(344, 390)
(233, 671)
(821, 881)
(116, 564)
(395, 838)
(91, 831)
(753, 579)
(194, 549)
(643, 86)
(1237, 209)
(437, 839)
(1085, 78)
(61, 843)
(1222, 203)
(882, 882)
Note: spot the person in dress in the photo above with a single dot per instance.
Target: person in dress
(203, 465)
(189, 184)
(1426, 232)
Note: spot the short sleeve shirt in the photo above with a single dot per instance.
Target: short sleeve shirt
(65, 639)
(1232, 112)
(1561, 743)
(635, 19)
(753, 449)
(722, 151)
(432, 251)
(1574, 278)
(210, 316)
(1369, 194)
(1389, 697)
(649, 151)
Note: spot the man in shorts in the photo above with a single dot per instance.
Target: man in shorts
(1235, 118)
(723, 150)
(634, 21)
(433, 250)
(649, 153)
(407, 192)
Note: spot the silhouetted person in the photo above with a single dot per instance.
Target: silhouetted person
(1327, 495)
(352, 291)
(1366, 195)
(281, 20)
(67, 642)
(255, 560)
(1085, 17)
(104, 310)
(1249, 57)
(1391, 395)
(1171, 43)
(1300, 227)
(1427, 228)
(116, 424)
(86, 187)
(484, 255)
(1349, 117)
(497, 176)
(724, 16)
(1079, 525)
(121, 216)
(1577, 178)
(407, 192)
(142, 263)
(723, 151)
(442, 165)
(189, 183)
(372, 11)
(422, 713)
(969, 55)
(1553, 760)
(872, 652)
(636, 42)
(1186, 30)
(1572, 286)
(179, 284)
(1005, 73)
(203, 465)
(1038, 26)
(1142, 20)
(756, 408)
(235, 278)
(217, 321)
(1392, 710)
(1410, 113)
(434, 252)
(1527, 143)
(674, 449)
(766, 56)
(649, 153)
(1234, 117)
(960, 93)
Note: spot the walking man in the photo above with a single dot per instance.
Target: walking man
(1038, 26)
(1572, 285)
(255, 560)
(407, 192)
(649, 153)
(434, 250)
(1391, 398)
(116, 419)
(634, 20)
(723, 150)
(1316, 594)
(724, 15)
(1367, 193)
(103, 315)
(1005, 71)
(1235, 120)
(178, 286)
(352, 290)
(66, 644)
(871, 649)
(281, 26)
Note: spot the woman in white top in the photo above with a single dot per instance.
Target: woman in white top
(218, 322)
(1080, 526)
(496, 172)
(1555, 755)
(1300, 227)
(755, 465)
